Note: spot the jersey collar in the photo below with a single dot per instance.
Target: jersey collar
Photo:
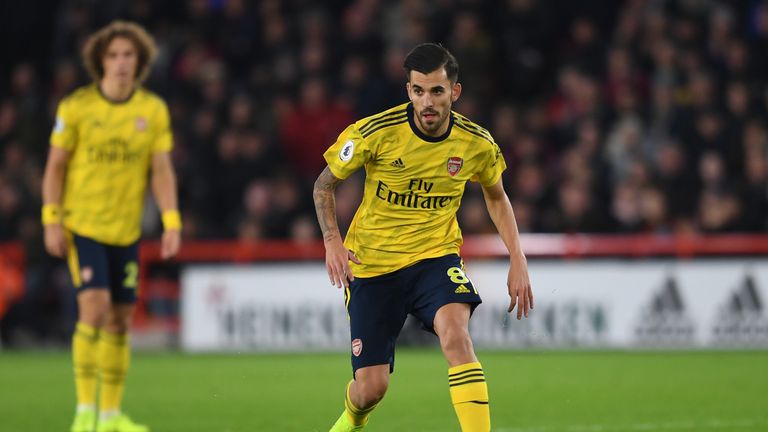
(112, 101)
(422, 135)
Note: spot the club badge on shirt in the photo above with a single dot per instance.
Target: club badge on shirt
(454, 165)
(141, 124)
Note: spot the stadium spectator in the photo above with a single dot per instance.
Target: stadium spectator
(309, 126)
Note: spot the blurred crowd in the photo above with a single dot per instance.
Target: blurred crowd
(635, 116)
(614, 116)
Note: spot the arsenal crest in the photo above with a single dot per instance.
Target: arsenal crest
(141, 124)
(454, 165)
(357, 347)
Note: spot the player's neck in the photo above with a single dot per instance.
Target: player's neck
(438, 133)
(115, 90)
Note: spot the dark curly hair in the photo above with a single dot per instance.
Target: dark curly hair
(96, 47)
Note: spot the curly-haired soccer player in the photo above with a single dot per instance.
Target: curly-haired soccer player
(108, 137)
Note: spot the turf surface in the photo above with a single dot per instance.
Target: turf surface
(530, 392)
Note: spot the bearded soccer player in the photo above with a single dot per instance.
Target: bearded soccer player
(401, 253)
(107, 138)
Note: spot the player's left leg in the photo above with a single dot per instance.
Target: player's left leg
(443, 301)
(466, 380)
(114, 360)
(114, 343)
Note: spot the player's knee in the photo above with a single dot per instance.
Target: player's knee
(117, 324)
(119, 319)
(456, 339)
(95, 316)
(116, 327)
(371, 394)
(370, 389)
(94, 307)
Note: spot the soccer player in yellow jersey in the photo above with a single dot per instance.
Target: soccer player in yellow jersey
(107, 138)
(400, 255)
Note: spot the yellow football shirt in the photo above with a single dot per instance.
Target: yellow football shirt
(413, 186)
(111, 146)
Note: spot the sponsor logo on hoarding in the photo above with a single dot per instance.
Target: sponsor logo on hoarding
(664, 321)
(577, 323)
(303, 325)
(741, 320)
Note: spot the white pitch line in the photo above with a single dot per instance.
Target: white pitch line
(712, 424)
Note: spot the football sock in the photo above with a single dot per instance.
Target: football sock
(356, 415)
(469, 394)
(85, 359)
(114, 359)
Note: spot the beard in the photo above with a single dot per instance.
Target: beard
(434, 124)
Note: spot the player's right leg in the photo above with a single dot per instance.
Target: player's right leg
(362, 395)
(87, 265)
(377, 312)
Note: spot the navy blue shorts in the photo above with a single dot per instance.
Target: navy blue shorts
(378, 306)
(98, 265)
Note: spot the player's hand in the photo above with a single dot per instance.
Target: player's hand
(519, 286)
(337, 258)
(170, 244)
(55, 241)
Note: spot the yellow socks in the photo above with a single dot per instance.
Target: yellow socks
(114, 359)
(85, 359)
(469, 395)
(97, 353)
(356, 415)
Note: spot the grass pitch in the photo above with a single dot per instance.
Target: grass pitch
(530, 392)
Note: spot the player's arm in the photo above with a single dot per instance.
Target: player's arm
(503, 217)
(53, 187)
(337, 256)
(164, 190)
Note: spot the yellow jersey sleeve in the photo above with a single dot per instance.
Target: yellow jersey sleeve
(348, 153)
(163, 136)
(493, 167)
(64, 134)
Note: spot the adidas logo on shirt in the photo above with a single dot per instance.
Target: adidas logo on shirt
(398, 163)
(462, 290)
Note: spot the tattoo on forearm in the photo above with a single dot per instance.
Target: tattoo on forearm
(325, 203)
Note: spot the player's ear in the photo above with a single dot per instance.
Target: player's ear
(456, 92)
(408, 89)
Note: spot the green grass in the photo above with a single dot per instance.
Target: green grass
(530, 392)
